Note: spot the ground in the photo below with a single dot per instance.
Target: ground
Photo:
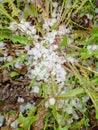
(48, 65)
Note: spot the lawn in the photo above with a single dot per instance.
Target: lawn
(49, 64)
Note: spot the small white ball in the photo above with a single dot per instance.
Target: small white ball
(2, 44)
(52, 101)
(1, 120)
(35, 89)
(14, 124)
(21, 100)
(46, 104)
(9, 58)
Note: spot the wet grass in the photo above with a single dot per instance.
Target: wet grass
(83, 75)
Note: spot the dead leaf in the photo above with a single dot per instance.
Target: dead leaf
(39, 124)
(22, 69)
(5, 75)
(83, 21)
(12, 52)
(9, 94)
(10, 118)
(10, 91)
(5, 128)
(8, 45)
(96, 3)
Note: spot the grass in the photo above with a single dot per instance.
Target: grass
(83, 75)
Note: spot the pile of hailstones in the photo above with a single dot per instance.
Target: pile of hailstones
(47, 65)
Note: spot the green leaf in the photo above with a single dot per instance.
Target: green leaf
(32, 82)
(27, 121)
(83, 50)
(13, 74)
(4, 12)
(19, 39)
(72, 93)
(86, 55)
(89, 54)
(2, 37)
(97, 114)
(34, 10)
(5, 31)
(94, 30)
(28, 11)
(95, 52)
(15, 11)
(54, 111)
(78, 124)
(63, 42)
(54, 26)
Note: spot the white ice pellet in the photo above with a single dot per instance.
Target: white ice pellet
(22, 108)
(70, 121)
(54, 14)
(69, 110)
(25, 107)
(22, 27)
(73, 102)
(71, 59)
(17, 53)
(70, 40)
(85, 99)
(20, 100)
(33, 30)
(89, 16)
(28, 106)
(36, 37)
(92, 47)
(89, 47)
(58, 66)
(75, 116)
(13, 26)
(27, 47)
(2, 44)
(60, 103)
(9, 58)
(27, 24)
(35, 89)
(62, 30)
(46, 104)
(14, 124)
(1, 120)
(17, 65)
(55, 4)
(52, 101)
(5, 54)
(30, 52)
